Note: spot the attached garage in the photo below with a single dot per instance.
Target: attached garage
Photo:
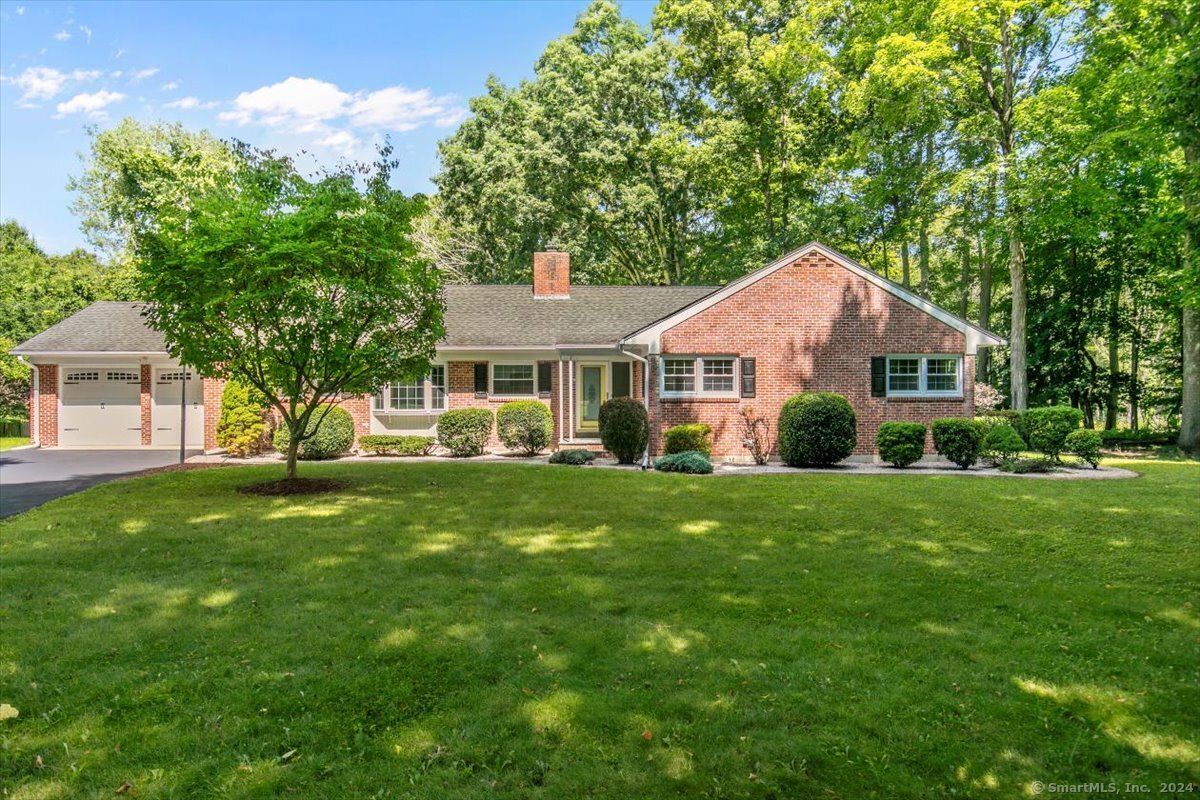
(100, 406)
(172, 385)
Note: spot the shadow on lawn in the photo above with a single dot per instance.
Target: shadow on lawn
(440, 627)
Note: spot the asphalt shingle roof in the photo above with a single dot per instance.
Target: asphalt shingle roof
(102, 327)
(476, 316)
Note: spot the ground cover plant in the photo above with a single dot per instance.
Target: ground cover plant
(449, 629)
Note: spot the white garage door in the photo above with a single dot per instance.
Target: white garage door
(168, 386)
(101, 407)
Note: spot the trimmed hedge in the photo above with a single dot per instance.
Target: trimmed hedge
(624, 429)
(392, 445)
(242, 426)
(465, 431)
(1085, 444)
(692, 462)
(901, 443)
(525, 426)
(1026, 466)
(958, 440)
(816, 430)
(576, 458)
(1002, 443)
(1047, 428)
(690, 436)
(1143, 437)
(333, 436)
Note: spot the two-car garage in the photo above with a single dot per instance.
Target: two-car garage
(101, 406)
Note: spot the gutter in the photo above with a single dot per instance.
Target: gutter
(645, 394)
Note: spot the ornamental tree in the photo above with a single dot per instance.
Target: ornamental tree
(305, 289)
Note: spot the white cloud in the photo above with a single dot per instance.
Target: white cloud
(43, 83)
(90, 104)
(189, 103)
(62, 36)
(142, 74)
(342, 142)
(86, 32)
(170, 86)
(308, 105)
(20, 11)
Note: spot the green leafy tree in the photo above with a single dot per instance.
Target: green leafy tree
(303, 289)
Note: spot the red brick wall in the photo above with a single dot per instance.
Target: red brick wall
(812, 326)
(212, 388)
(47, 405)
(460, 386)
(147, 385)
(551, 274)
(359, 407)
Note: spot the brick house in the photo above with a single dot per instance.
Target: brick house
(814, 320)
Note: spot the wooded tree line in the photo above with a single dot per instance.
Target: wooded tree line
(1030, 164)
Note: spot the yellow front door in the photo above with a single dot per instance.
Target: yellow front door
(593, 391)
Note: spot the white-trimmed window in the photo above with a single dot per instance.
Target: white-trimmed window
(406, 396)
(513, 379)
(924, 375)
(700, 376)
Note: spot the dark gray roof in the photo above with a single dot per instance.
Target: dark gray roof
(476, 316)
(103, 327)
(492, 316)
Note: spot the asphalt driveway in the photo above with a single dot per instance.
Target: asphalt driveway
(31, 477)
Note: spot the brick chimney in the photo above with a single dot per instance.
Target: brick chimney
(552, 274)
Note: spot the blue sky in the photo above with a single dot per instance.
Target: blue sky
(332, 78)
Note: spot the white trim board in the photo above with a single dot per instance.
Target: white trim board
(975, 336)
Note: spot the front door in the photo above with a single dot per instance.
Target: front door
(593, 391)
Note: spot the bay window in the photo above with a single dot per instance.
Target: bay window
(428, 394)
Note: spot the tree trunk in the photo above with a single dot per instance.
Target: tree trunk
(1135, 343)
(1189, 429)
(1017, 365)
(293, 450)
(904, 264)
(984, 360)
(964, 281)
(1114, 360)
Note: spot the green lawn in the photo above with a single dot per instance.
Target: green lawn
(9, 442)
(457, 630)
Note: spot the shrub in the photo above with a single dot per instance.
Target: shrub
(576, 458)
(242, 426)
(957, 439)
(692, 436)
(987, 398)
(756, 435)
(465, 431)
(901, 443)
(390, 445)
(817, 429)
(332, 432)
(1025, 466)
(525, 425)
(1143, 437)
(1004, 416)
(1002, 443)
(1047, 428)
(692, 462)
(624, 429)
(1086, 445)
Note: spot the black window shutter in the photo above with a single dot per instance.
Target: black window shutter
(878, 376)
(481, 381)
(544, 378)
(621, 379)
(749, 377)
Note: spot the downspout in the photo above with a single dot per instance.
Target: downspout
(645, 395)
(35, 392)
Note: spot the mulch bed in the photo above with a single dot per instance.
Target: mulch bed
(285, 487)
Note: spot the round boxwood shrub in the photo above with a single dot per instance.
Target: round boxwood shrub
(1085, 444)
(332, 430)
(958, 440)
(392, 445)
(692, 462)
(576, 458)
(624, 429)
(901, 443)
(242, 426)
(816, 430)
(1002, 443)
(525, 426)
(691, 436)
(465, 431)
(1046, 429)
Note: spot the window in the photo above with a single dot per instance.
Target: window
(128, 377)
(512, 379)
(718, 374)
(924, 376)
(679, 375)
(81, 377)
(428, 394)
(174, 377)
